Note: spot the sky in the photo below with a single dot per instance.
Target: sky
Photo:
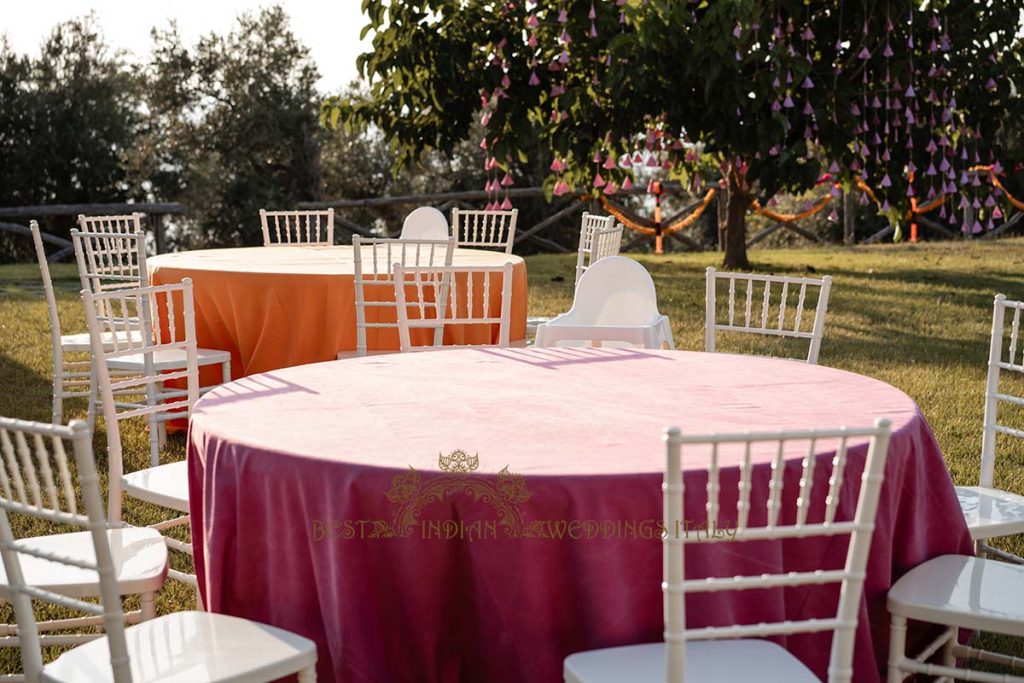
(329, 29)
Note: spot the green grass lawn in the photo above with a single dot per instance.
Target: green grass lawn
(915, 316)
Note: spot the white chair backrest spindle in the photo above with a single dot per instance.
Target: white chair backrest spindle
(767, 307)
(777, 525)
(452, 296)
(597, 241)
(1005, 353)
(425, 223)
(35, 459)
(485, 229)
(146, 322)
(373, 260)
(297, 228)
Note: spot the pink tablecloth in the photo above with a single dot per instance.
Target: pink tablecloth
(301, 478)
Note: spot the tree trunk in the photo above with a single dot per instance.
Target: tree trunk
(736, 220)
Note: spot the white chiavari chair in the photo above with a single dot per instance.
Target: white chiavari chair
(485, 229)
(425, 223)
(775, 319)
(740, 652)
(957, 593)
(597, 241)
(163, 351)
(192, 646)
(71, 365)
(297, 228)
(124, 225)
(452, 297)
(992, 512)
(112, 261)
(373, 261)
(615, 304)
(37, 480)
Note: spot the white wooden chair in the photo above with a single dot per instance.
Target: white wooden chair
(452, 296)
(297, 228)
(958, 593)
(485, 229)
(373, 260)
(192, 646)
(36, 481)
(599, 238)
(737, 652)
(71, 364)
(125, 225)
(114, 261)
(774, 319)
(425, 223)
(615, 304)
(993, 512)
(166, 353)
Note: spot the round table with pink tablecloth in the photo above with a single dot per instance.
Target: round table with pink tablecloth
(479, 514)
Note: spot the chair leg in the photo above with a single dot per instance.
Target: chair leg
(308, 675)
(148, 606)
(91, 415)
(897, 647)
(225, 371)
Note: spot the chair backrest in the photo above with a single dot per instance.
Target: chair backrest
(297, 228)
(110, 260)
(51, 298)
(141, 322)
(776, 317)
(1004, 354)
(373, 260)
(425, 223)
(774, 524)
(35, 481)
(485, 229)
(452, 296)
(590, 225)
(121, 225)
(615, 291)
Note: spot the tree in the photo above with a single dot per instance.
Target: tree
(776, 91)
(67, 119)
(233, 127)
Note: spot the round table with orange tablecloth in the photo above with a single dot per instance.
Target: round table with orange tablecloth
(275, 307)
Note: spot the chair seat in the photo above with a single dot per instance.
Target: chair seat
(169, 359)
(991, 513)
(81, 342)
(563, 331)
(139, 554)
(707, 661)
(192, 647)
(969, 592)
(165, 485)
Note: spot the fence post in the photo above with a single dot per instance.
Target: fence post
(157, 219)
(849, 213)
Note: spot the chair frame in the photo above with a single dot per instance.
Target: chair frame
(443, 283)
(596, 241)
(159, 405)
(72, 377)
(379, 275)
(711, 326)
(31, 634)
(993, 396)
(859, 529)
(271, 222)
(484, 229)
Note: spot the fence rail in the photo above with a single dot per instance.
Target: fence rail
(560, 208)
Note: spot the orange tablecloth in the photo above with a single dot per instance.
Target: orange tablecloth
(283, 306)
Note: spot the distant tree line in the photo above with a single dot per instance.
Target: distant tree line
(226, 126)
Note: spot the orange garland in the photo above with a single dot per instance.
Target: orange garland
(682, 223)
(791, 217)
